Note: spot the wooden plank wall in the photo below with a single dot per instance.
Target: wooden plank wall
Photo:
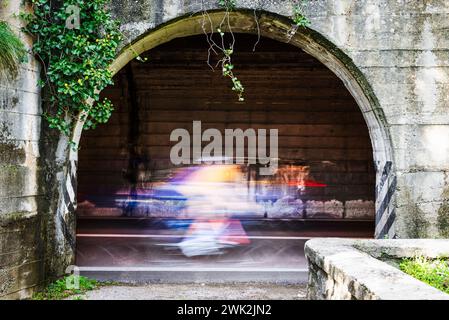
(319, 123)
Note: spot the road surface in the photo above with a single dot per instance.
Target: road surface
(145, 251)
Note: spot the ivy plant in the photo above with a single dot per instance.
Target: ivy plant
(228, 4)
(299, 17)
(75, 60)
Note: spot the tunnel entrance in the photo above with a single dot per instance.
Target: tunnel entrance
(137, 209)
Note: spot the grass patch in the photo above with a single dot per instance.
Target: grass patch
(12, 51)
(64, 288)
(434, 272)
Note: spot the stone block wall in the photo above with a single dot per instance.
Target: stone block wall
(392, 55)
(21, 245)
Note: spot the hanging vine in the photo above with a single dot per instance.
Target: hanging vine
(226, 49)
(75, 60)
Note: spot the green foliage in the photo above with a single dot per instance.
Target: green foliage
(75, 60)
(433, 272)
(227, 69)
(12, 51)
(298, 14)
(298, 17)
(227, 4)
(59, 290)
(226, 51)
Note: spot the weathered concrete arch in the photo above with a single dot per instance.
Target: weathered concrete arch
(401, 53)
(282, 29)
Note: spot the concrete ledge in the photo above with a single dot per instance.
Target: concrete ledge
(352, 269)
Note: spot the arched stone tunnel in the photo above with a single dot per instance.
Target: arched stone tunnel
(394, 65)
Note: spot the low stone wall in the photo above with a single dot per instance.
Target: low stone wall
(365, 269)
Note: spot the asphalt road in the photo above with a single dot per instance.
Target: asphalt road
(146, 251)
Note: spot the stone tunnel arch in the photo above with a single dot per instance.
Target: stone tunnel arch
(281, 29)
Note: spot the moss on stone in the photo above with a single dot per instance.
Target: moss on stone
(443, 220)
(10, 154)
(13, 217)
(418, 224)
(12, 169)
